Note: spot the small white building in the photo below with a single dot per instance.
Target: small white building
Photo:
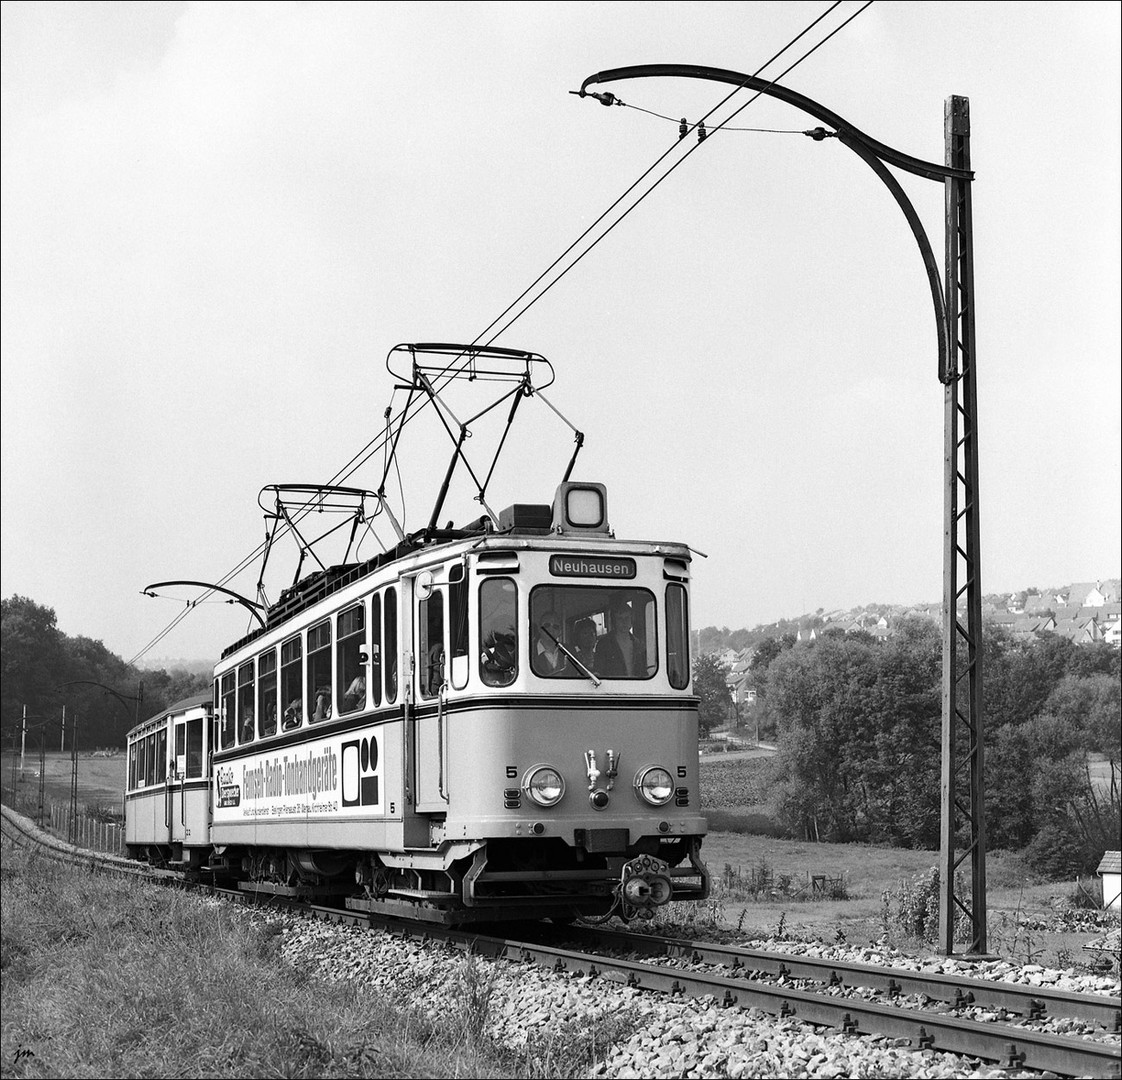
(1110, 870)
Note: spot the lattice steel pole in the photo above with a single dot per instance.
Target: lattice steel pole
(963, 788)
(953, 303)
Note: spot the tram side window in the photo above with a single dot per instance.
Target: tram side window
(132, 765)
(391, 645)
(226, 732)
(319, 672)
(161, 756)
(194, 748)
(267, 693)
(376, 651)
(349, 642)
(179, 766)
(245, 703)
(498, 631)
(458, 626)
(677, 637)
(150, 759)
(292, 676)
(430, 631)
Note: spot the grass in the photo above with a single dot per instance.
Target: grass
(1030, 921)
(104, 977)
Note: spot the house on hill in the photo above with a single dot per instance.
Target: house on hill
(1079, 631)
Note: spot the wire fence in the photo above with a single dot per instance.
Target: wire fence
(84, 829)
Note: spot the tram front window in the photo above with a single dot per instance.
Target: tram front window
(608, 631)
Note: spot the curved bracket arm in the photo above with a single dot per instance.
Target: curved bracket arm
(927, 169)
(255, 609)
(875, 154)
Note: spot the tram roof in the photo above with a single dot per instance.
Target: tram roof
(315, 587)
(195, 701)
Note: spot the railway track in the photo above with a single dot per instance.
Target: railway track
(857, 999)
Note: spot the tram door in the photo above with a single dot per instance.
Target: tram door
(177, 774)
(430, 727)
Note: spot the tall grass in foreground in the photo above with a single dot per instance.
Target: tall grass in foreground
(112, 978)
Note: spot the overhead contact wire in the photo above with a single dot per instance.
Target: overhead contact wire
(357, 460)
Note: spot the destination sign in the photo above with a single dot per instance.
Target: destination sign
(591, 566)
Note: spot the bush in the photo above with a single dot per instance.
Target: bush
(1056, 851)
(911, 908)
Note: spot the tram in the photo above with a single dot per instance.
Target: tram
(480, 723)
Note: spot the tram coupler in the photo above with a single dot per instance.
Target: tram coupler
(644, 885)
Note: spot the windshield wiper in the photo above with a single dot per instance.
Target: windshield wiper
(576, 662)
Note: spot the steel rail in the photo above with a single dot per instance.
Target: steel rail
(1013, 1047)
(1030, 1002)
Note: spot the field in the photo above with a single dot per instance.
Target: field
(101, 780)
(874, 888)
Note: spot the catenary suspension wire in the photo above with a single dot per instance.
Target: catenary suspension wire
(766, 131)
(357, 460)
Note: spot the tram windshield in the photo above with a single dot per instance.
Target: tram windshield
(610, 631)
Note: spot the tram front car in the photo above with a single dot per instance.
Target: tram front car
(563, 731)
(541, 759)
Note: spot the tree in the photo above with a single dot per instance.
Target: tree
(1090, 704)
(31, 658)
(43, 668)
(765, 653)
(859, 737)
(709, 676)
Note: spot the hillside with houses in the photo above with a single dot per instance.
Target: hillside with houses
(1083, 612)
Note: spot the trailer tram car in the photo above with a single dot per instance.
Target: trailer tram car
(483, 723)
(167, 797)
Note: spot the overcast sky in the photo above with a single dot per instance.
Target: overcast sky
(218, 218)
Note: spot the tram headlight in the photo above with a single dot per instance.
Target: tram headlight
(654, 785)
(544, 784)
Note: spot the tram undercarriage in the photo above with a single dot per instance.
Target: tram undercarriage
(496, 881)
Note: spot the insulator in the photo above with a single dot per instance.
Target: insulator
(683, 128)
(701, 132)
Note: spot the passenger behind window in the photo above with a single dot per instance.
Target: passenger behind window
(584, 643)
(269, 724)
(548, 657)
(435, 670)
(619, 655)
(323, 703)
(292, 715)
(498, 660)
(247, 726)
(355, 697)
